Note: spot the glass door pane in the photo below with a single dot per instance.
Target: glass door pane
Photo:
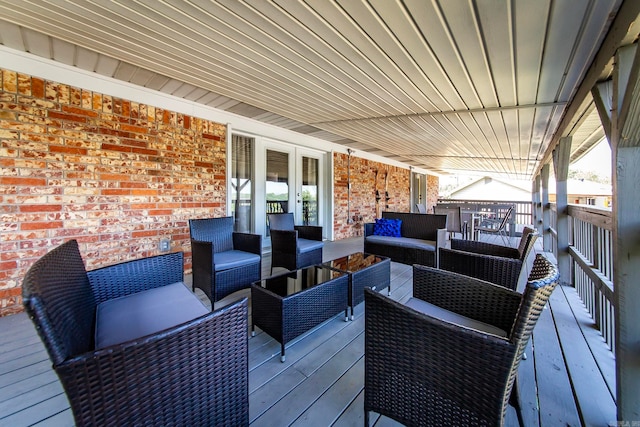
(419, 189)
(310, 191)
(277, 182)
(241, 182)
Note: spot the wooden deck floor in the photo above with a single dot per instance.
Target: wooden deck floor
(567, 379)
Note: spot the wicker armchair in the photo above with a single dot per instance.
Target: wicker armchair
(294, 246)
(224, 261)
(451, 355)
(494, 263)
(192, 373)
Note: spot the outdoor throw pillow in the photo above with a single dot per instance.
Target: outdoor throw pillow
(387, 227)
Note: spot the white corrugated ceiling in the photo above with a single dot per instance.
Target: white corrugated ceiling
(445, 85)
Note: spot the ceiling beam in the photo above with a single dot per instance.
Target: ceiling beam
(444, 113)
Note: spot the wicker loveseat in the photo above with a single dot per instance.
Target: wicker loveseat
(132, 345)
(420, 237)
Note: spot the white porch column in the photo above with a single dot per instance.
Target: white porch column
(536, 208)
(561, 156)
(625, 150)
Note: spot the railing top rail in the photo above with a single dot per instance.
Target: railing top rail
(597, 216)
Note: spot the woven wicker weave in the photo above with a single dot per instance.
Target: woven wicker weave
(192, 374)
(285, 251)
(416, 226)
(285, 316)
(213, 235)
(494, 263)
(422, 371)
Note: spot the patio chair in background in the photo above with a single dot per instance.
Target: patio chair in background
(223, 261)
(496, 227)
(294, 246)
(454, 218)
(176, 364)
(450, 356)
(497, 264)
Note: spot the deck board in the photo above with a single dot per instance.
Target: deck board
(321, 382)
(593, 397)
(555, 396)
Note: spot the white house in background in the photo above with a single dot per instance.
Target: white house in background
(583, 192)
(578, 191)
(488, 188)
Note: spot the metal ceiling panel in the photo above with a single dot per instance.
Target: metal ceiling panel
(443, 85)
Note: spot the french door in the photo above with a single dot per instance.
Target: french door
(269, 177)
(293, 182)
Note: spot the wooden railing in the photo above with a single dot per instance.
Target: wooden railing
(522, 210)
(591, 251)
(591, 248)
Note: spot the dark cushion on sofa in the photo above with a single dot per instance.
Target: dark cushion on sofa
(403, 242)
(136, 315)
(387, 227)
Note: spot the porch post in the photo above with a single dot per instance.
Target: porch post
(546, 209)
(625, 153)
(536, 209)
(561, 169)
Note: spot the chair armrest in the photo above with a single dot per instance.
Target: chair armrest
(134, 276)
(310, 232)
(404, 347)
(499, 270)
(248, 242)
(484, 248)
(368, 229)
(183, 369)
(467, 296)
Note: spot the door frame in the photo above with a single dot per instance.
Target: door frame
(296, 152)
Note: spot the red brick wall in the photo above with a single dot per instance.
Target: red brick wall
(433, 189)
(113, 174)
(118, 176)
(366, 177)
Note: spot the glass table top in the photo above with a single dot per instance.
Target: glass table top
(355, 262)
(296, 281)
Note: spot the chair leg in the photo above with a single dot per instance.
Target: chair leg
(366, 418)
(514, 400)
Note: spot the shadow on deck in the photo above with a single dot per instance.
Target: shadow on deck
(567, 379)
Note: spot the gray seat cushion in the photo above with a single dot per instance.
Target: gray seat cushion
(233, 259)
(403, 242)
(451, 317)
(134, 316)
(306, 245)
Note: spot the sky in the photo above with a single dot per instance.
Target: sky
(597, 160)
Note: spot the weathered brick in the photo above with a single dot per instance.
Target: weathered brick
(9, 81)
(117, 175)
(37, 87)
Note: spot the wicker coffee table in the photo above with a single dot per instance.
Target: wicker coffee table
(364, 269)
(287, 305)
